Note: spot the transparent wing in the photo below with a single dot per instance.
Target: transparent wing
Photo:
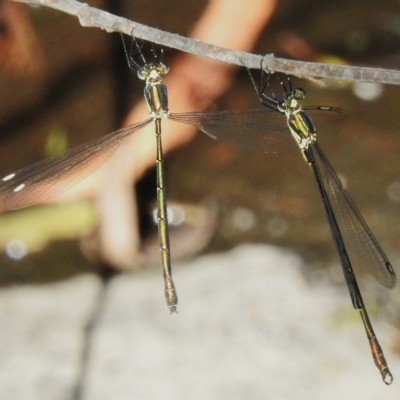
(322, 115)
(260, 129)
(363, 247)
(54, 175)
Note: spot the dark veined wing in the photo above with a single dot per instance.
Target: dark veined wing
(322, 115)
(260, 129)
(363, 248)
(54, 175)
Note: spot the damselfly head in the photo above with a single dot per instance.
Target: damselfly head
(290, 100)
(152, 72)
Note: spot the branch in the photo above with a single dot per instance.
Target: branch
(93, 17)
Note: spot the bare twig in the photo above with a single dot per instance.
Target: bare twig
(93, 17)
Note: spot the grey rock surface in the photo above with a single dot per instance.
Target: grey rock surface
(249, 326)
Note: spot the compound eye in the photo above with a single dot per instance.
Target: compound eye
(299, 94)
(141, 74)
(165, 68)
(281, 106)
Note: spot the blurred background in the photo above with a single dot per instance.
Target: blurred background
(63, 85)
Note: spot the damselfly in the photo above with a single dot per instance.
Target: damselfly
(54, 175)
(347, 226)
(262, 130)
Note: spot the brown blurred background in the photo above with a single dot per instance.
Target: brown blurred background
(62, 85)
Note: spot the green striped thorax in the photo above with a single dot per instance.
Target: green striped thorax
(299, 122)
(155, 92)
